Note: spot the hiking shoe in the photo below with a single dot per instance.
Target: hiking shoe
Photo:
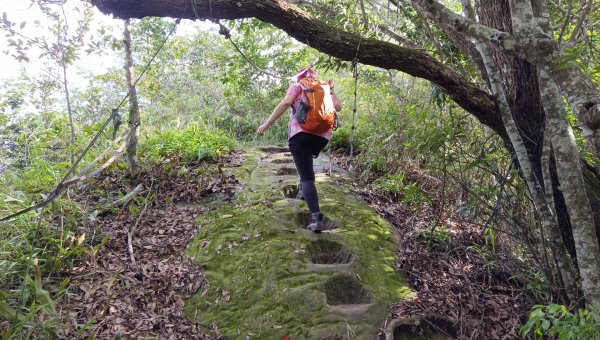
(316, 224)
(300, 196)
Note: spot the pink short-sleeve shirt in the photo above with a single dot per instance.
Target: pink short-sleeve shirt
(295, 90)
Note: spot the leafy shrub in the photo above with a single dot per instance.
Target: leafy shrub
(394, 185)
(341, 140)
(438, 236)
(391, 184)
(557, 320)
(40, 176)
(191, 144)
(373, 166)
(537, 286)
(243, 114)
(414, 196)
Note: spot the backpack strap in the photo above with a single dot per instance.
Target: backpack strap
(305, 90)
(303, 106)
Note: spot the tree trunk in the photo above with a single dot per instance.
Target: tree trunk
(70, 113)
(134, 113)
(569, 171)
(521, 84)
(564, 265)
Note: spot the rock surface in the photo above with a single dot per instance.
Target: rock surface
(270, 277)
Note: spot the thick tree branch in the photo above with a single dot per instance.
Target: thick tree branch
(523, 18)
(531, 46)
(327, 39)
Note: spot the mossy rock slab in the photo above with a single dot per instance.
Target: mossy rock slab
(270, 277)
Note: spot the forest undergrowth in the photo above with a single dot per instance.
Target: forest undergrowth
(131, 273)
(466, 287)
(135, 285)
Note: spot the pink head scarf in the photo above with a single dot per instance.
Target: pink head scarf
(307, 72)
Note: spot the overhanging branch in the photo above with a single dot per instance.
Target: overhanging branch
(325, 38)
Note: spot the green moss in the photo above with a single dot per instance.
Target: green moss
(257, 260)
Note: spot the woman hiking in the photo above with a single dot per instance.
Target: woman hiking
(304, 142)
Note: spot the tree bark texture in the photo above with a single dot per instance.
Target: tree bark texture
(134, 112)
(569, 171)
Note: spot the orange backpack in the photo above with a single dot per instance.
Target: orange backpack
(315, 111)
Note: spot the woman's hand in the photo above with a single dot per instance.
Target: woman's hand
(261, 129)
(330, 82)
(336, 102)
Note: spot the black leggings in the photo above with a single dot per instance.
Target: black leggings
(304, 147)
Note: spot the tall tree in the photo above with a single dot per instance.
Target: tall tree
(520, 60)
(134, 112)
